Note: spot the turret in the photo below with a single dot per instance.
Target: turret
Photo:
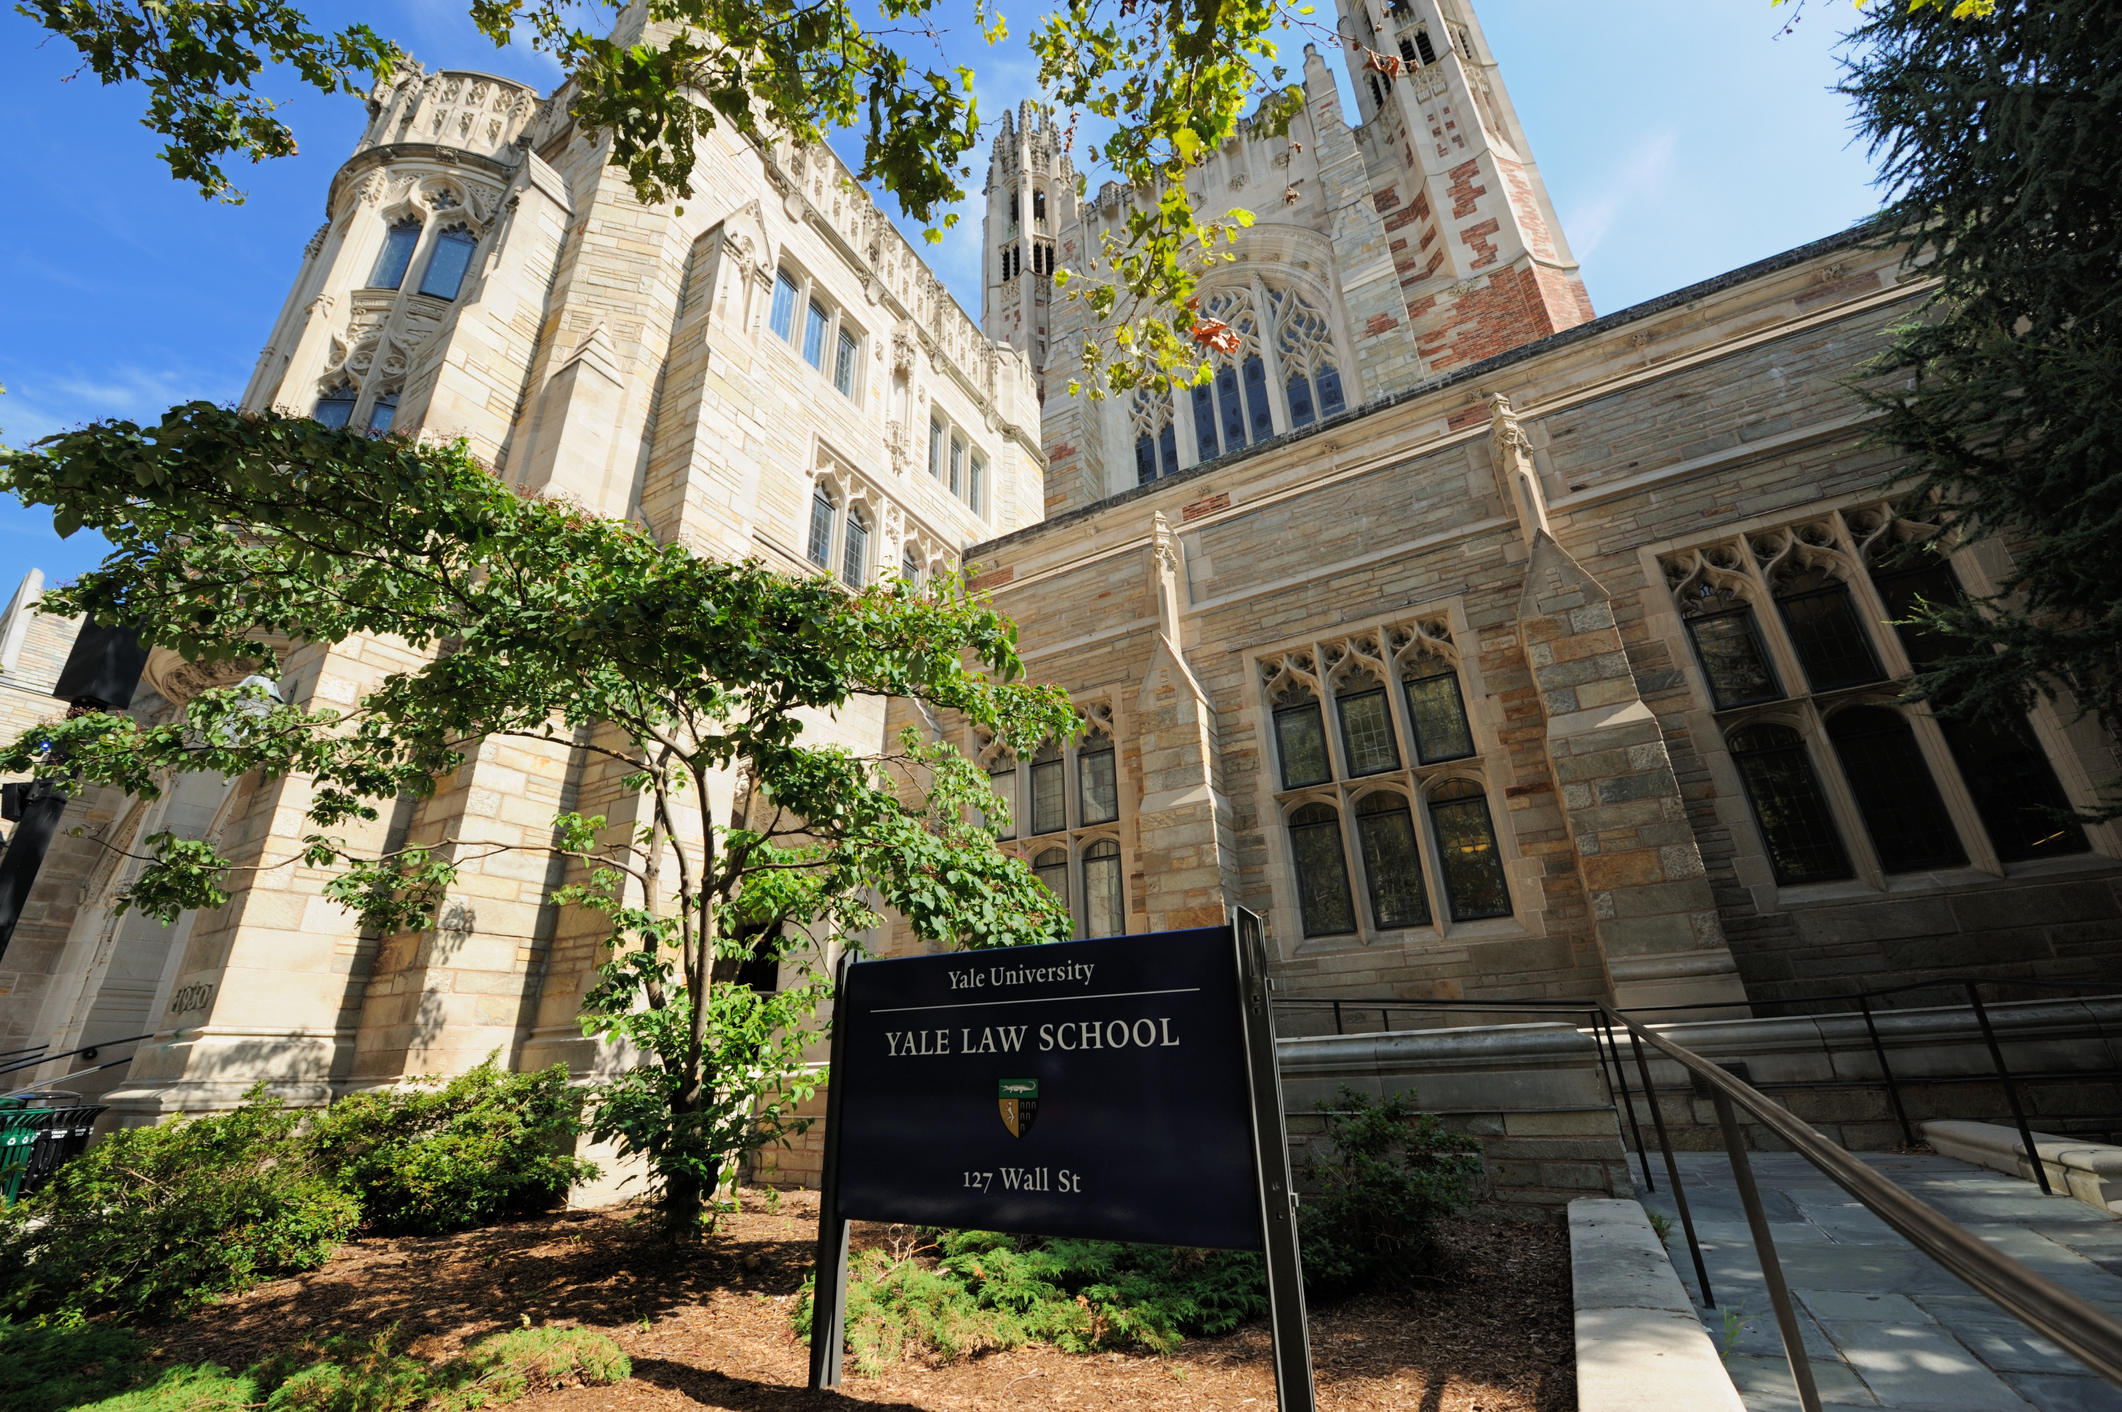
(1031, 195)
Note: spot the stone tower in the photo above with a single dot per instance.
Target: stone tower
(1031, 191)
(1418, 240)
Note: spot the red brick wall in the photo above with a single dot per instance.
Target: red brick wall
(1515, 307)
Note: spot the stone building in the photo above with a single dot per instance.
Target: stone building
(1487, 648)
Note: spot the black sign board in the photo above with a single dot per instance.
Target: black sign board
(1120, 1089)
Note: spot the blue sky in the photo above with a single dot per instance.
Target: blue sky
(1679, 139)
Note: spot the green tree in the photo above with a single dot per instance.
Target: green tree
(1171, 78)
(1998, 127)
(235, 531)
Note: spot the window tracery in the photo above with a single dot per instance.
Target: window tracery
(1062, 810)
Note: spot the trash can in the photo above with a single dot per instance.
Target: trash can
(38, 1137)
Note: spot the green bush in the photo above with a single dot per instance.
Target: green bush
(45, 1369)
(503, 1367)
(440, 1157)
(1392, 1173)
(996, 1291)
(155, 1221)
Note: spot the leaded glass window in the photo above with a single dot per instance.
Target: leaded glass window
(1098, 792)
(1367, 732)
(1391, 869)
(783, 317)
(910, 566)
(1467, 855)
(1803, 844)
(1728, 643)
(1909, 827)
(854, 554)
(1003, 781)
(1049, 785)
(976, 484)
(2015, 790)
(1438, 712)
(1205, 421)
(936, 437)
(1051, 868)
(399, 242)
(821, 529)
(448, 262)
(1103, 911)
(1905, 590)
(1822, 620)
(335, 406)
(1156, 439)
(1304, 344)
(1322, 871)
(844, 364)
(381, 412)
(1263, 417)
(1300, 739)
(957, 466)
(815, 323)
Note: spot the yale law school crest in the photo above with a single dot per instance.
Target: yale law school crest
(1019, 1102)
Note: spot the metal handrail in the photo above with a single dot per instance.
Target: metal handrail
(2087, 1333)
(68, 1053)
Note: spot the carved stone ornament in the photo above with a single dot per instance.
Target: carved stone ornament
(178, 681)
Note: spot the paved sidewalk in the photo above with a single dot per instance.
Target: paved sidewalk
(1886, 1326)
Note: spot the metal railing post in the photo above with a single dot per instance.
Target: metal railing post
(1672, 1171)
(1801, 1366)
(1337, 1018)
(1629, 1105)
(2011, 1091)
(1893, 1092)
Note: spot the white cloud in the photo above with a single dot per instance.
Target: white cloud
(1646, 170)
(40, 404)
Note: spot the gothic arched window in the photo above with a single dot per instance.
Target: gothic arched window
(1051, 868)
(1367, 727)
(1803, 845)
(844, 364)
(1721, 624)
(815, 324)
(1304, 345)
(1103, 912)
(448, 262)
(1438, 711)
(1002, 779)
(1830, 642)
(398, 246)
(1391, 870)
(381, 412)
(1097, 789)
(1322, 871)
(1231, 410)
(335, 406)
(1300, 739)
(1156, 440)
(854, 555)
(1467, 853)
(1049, 789)
(782, 318)
(1909, 827)
(821, 528)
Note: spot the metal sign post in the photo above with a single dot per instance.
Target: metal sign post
(1119, 1089)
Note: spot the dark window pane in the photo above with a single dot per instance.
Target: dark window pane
(1300, 402)
(446, 265)
(1730, 649)
(397, 254)
(1168, 448)
(2015, 790)
(1103, 914)
(1100, 793)
(1233, 410)
(854, 558)
(1049, 804)
(783, 318)
(821, 531)
(844, 364)
(334, 407)
(1367, 733)
(1256, 398)
(381, 413)
(1322, 871)
(1145, 459)
(1302, 741)
(1441, 732)
(1904, 590)
(1328, 382)
(1902, 812)
(1831, 643)
(1205, 422)
(1004, 784)
(1795, 825)
(1466, 847)
(1051, 868)
(1390, 866)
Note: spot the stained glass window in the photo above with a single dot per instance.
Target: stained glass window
(1051, 868)
(1301, 740)
(1205, 422)
(1803, 845)
(1097, 790)
(397, 254)
(1049, 801)
(1103, 912)
(1728, 643)
(1439, 716)
(1390, 868)
(448, 262)
(1367, 732)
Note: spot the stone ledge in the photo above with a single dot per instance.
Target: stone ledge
(2089, 1171)
(1640, 1346)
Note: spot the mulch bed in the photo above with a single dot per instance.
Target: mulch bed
(708, 1326)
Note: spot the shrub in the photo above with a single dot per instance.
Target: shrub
(439, 1157)
(505, 1366)
(983, 1290)
(1393, 1172)
(45, 1369)
(154, 1221)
